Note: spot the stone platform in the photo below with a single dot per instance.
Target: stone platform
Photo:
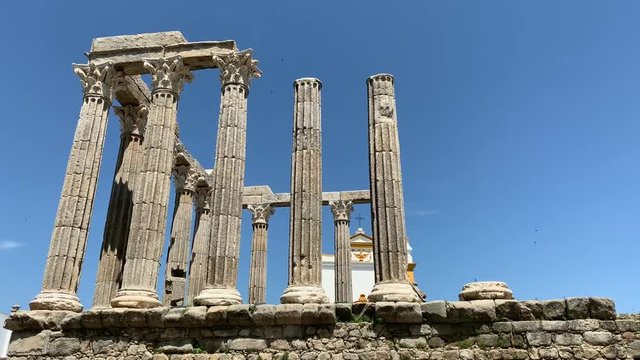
(574, 328)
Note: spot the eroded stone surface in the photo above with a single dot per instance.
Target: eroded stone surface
(485, 290)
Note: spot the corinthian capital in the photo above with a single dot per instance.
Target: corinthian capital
(203, 196)
(341, 210)
(168, 74)
(186, 178)
(133, 119)
(96, 79)
(237, 68)
(260, 213)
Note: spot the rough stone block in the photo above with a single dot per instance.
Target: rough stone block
(487, 340)
(72, 321)
(64, 346)
(577, 308)
(28, 343)
(554, 309)
(240, 315)
(309, 314)
(598, 338)
(628, 325)
(177, 346)
(434, 311)
(526, 326)
(512, 310)
(247, 344)
(288, 314)
(264, 315)
(568, 339)
(173, 317)
(343, 312)
(471, 311)
(408, 313)
(602, 308)
(135, 318)
(216, 316)
(535, 308)
(327, 314)
(583, 325)
(154, 316)
(368, 309)
(539, 339)
(195, 316)
(92, 320)
(112, 318)
(386, 311)
(113, 43)
(554, 325)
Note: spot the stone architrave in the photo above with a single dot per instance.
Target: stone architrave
(200, 248)
(237, 70)
(69, 237)
(305, 222)
(149, 215)
(258, 272)
(114, 243)
(175, 283)
(341, 211)
(387, 202)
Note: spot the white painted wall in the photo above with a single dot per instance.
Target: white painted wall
(362, 279)
(5, 336)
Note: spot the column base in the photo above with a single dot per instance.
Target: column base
(218, 297)
(394, 292)
(56, 300)
(297, 294)
(137, 299)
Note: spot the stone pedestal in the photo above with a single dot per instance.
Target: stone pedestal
(305, 222)
(69, 237)
(200, 249)
(258, 272)
(387, 201)
(228, 181)
(341, 211)
(147, 232)
(175, 283)
(114, 244)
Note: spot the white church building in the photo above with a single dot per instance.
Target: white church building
(363, 277)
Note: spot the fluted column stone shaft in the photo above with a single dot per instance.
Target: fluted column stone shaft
(258, 272)
(305, 222)
(178, 254)
(387, 201)
(228, 181)
(147, 232)
(69, 236)
(341, 211)
(114, 243)
(200, 248)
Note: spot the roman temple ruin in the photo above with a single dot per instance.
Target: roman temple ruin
(199, 312)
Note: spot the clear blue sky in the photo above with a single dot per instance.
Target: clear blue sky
(519, 125)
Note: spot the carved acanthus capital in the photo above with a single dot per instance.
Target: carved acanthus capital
(96, 79)
(203, 197)
(185, 177)
(237, 68)
(168, 74)
(341, 210)
(133, 119)
(260, 213)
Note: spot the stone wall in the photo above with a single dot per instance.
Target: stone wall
(576, 328)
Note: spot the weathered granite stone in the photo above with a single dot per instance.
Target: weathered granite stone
(535, 308)
(577, 308)
(598, 337)
(343, 312)
(512, 310)
(288, 314)
(248, 344)
(64, 346)
(554, 309)
(264, 315)
(602, 308)
(240, 315)
(539, 338)
(408, 313)
(568, 339)
(216, 315)
(468, 311)
(434, 311)
(195, 316)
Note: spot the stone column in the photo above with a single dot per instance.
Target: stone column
(116, 230)
(178, 254)
(258, 272)
(200, 248)
(305, 222)
(237, 69)
(149, 214)
(387, 202)
(69, 237)
(341, 217)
